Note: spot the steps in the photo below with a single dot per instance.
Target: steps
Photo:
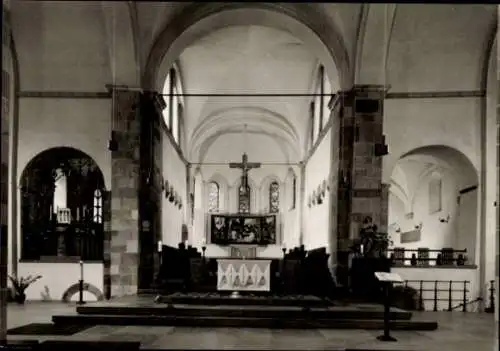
(247, 322)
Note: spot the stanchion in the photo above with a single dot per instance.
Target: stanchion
(80, 285)
(387, 279)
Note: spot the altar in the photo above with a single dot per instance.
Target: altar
(243, 275)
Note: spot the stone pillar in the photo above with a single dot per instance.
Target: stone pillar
(497, 260)
(361, 146)
(125, 174)
(4, 173)
(302, 202)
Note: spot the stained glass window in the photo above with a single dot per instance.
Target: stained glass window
(213, 197)
(244, 200)
(97, 206)
(274, 197)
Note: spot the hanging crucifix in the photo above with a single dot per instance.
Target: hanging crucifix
(244, 196)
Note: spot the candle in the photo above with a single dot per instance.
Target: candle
(81, 269)
(160, 246)
(361, 248)
(77, 213)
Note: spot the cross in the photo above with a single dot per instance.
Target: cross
(245, 167)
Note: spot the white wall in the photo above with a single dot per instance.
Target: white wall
(491, 172)
(413, 123)
(316, 217)
(174, 171)
(58, 277)
(445, 275)
(44, 123)
(461, 229)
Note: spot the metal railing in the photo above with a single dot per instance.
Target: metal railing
(449, 288)
(420, 257)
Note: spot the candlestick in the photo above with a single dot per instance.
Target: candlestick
(81, 269)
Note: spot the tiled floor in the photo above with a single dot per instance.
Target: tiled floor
(457, 331)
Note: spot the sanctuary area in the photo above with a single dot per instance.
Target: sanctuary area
(249, 164)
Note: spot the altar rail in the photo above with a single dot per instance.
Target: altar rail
(451, 295)
(425, 257)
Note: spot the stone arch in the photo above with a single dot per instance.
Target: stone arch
(75, 288)
(456, 221)
(36, 194)
(305, 20)
(375, 32)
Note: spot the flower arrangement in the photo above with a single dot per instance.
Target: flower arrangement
(20, 285)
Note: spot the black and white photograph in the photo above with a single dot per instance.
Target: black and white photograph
(249, 175)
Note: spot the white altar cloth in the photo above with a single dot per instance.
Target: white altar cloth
(243, 275)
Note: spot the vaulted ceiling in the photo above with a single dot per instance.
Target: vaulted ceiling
(247, 60)
(84, 45)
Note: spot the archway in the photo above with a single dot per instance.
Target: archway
(62, 193)
(303, 21)
(433, 201)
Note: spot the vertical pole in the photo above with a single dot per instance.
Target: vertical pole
(449, 295)
(387, 308)
(421, 297)
(3, 284)
(464, 307)
(435, 295)
(80, 285)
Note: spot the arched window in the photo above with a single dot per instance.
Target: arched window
(58, 189)
(97, 215)
(294, 191)
(172, 114)
(319, 110)
(213, 197)
(244, 199)
(274, 197)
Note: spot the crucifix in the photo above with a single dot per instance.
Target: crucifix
(245, 166)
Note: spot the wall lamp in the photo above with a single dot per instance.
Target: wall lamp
(444, 220)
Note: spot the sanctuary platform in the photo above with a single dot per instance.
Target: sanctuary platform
(223, 310)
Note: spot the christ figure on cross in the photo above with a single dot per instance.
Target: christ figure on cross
(245, 167)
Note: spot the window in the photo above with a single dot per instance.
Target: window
(294, 191)
(213, 197)
(173, 112)
(319, 110)
(97, 215)
(244, 199)
(274, 197)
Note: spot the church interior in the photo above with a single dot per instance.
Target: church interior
(250, 165)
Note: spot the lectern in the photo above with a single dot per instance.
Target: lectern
(387, 279)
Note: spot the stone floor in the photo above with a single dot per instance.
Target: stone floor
(457, 331)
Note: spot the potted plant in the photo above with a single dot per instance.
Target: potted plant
(20, 285)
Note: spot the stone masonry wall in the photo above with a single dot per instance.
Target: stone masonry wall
(124, 243)
(361, 192)
(4, 171)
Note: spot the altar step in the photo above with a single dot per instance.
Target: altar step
(339, 313)
(216, 298)
(278, 322)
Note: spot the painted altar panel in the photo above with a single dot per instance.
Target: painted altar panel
(243, 275)
(242, 229)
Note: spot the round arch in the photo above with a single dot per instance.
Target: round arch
(305, 22)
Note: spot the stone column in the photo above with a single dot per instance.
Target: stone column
(360, 186)
(497, 260)
(302, 200)
(4, 173)
(125, 174)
